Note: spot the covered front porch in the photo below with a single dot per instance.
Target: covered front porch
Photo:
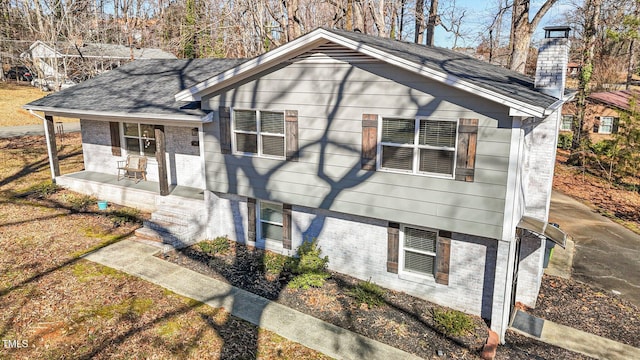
(143, 195)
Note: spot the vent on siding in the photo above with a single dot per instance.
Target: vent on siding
(328, 53)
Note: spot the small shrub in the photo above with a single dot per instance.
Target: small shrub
(79, 203)
(309, 260)
(564, 140)
(309, 280)
(452, 322)
(125, 215)
(219, 245)
(276, 263)
(368, 293)
(42, 190)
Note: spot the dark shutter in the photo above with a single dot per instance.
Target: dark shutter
(286, 226)
(251, 219)
(291, 134)
(466, 147)
(443, 250)
(369, 141)
(393, 247)
(224, 114)
(596, 125)
(114, 129)
(616, 125)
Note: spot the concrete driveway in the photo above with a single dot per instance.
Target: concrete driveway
(607, 255)
(29, 130)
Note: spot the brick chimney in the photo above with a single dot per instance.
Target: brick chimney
(553, 56)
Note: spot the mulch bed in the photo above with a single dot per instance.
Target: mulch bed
(404, 322)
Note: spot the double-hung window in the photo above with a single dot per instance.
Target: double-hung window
(259, 133)
(270, 221)
(606, 125)
(567, 123)
(418, 250)
(419, 146)
(139, 139)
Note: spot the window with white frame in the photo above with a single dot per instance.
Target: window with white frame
(418, 250)
(567, 123)
(259, 132)
(270, 221)
(419, 145)
(606, 125)
(139, 139)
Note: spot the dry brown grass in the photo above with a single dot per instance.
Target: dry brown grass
(12, 97)
(65, 307)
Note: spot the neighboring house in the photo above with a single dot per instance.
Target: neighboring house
(418, 168)
(602, 113)
(67, 62)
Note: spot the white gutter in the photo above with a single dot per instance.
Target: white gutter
(88, 113)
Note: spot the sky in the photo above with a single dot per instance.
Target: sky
(481, 12)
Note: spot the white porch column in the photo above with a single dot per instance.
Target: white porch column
(52, 149)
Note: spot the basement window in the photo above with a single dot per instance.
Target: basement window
(418, 250)
(270, 221)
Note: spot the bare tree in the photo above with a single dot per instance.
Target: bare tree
(432, 21)
(592, 11)
(522, 30)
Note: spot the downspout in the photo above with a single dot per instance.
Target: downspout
(47, 137)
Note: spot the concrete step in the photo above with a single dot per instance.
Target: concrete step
(171, 227)
(177, 241)
(169, 216)
(179, 202)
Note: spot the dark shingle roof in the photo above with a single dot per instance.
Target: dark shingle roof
(480, 73)
(140, 87)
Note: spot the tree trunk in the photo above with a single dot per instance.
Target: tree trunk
(432, 22)
(293, 22)
(522, 30)
(378, 17)
(592, 9)
(419, 29)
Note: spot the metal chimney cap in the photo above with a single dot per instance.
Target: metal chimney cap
(554, 32)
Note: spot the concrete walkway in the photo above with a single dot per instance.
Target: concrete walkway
(32, 130)
(572, 339)
(136, 258)
(607, 255)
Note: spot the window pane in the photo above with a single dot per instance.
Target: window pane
(245, 120)
(606, 125)
(133, 145)
(272, 122)
(147, 131)
(399, 131)
(436, 161)
(437, 133)
(149, 147)
(271, 212)
(419, 263)
(130, 129)
(567, 122)
(273, 145)
(272, 232)
(394, 157)
(419, 239)
(247, 143)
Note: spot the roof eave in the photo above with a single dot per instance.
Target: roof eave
(106, 115)
(299, 45)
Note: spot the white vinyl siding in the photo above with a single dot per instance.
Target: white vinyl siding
(269, 221)
(139, 139)
(418, 146)
(567, 123)
(258, 133)
(606, 125)
(418, 250)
